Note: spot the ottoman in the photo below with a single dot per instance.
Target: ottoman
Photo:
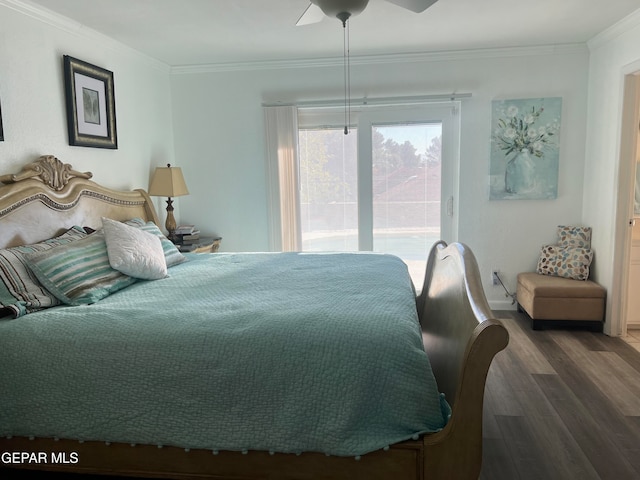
(557, 301)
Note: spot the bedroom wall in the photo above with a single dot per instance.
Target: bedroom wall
(219, 140)
(613, 54)
(32, 43)
(219, 130)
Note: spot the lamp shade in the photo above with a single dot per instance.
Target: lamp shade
(168, 182)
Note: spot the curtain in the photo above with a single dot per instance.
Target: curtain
(281, 131)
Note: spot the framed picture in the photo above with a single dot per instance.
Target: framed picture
(1, 130)
(91, 108)
(525, 144)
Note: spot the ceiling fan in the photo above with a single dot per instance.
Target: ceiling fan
(344, 9)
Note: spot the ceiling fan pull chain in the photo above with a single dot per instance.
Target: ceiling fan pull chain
(345, 51)
(349, 73)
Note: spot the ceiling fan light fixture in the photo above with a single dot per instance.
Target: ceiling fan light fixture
(343, 9)
(337, 8)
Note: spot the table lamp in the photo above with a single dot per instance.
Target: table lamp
(168, 182)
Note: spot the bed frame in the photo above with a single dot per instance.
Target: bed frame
(459, 334)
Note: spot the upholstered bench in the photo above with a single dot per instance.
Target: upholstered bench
(550, 300)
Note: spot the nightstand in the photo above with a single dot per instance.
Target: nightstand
(202, 245)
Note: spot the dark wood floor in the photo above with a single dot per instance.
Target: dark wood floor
(562, 404)
(559, 405)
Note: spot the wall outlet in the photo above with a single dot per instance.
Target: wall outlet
(494, 277)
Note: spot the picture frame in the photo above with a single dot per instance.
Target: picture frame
(91, 109)
(525, 148)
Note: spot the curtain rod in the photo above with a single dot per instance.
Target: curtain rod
(373, 101)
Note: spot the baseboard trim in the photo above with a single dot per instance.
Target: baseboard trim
(502, 305)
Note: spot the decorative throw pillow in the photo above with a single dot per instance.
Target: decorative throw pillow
(568, 262)
(171, 253)
(574, 236)
(20, 290)
(78, 273)
(133, 251)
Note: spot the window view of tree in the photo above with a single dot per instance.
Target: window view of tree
(406, 168)
(406, 192)
(328, 190)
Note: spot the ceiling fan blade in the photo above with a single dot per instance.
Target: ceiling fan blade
(312, 14)
(414, 5)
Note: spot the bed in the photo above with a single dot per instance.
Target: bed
(331, 367)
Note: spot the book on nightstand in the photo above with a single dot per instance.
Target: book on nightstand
(185, 230)
(190, 237)
(187, 247)
(186, 234)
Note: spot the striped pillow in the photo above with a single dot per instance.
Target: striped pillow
(171, 252)
(20, 290)
(78, 273)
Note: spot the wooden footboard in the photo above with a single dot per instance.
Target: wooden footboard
(461, 338)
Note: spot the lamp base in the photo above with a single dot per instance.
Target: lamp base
(170, 223)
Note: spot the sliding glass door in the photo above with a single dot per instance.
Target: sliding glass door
(388, 186)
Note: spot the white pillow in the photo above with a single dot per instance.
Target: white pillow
(134, 252)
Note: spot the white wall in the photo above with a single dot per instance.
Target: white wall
(614, 53)
(32, 44)
(218, 127)
(216, 120)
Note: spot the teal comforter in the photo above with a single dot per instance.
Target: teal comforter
(277, 352)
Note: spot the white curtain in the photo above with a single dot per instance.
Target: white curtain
(281, 131)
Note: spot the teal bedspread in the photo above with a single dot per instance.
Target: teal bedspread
(282, 352)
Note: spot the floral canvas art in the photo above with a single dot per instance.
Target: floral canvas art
(525, 145)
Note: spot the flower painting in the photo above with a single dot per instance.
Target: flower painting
(525, 144)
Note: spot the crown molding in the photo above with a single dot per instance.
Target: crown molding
(454, 55)
(614, 31)
(63, 23)
(72, 27)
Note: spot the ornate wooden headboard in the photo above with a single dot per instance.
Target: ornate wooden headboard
(48, 197)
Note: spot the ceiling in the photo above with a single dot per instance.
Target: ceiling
(207, 32)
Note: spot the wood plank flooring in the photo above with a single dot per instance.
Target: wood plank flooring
(561, 404)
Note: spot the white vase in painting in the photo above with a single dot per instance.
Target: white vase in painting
(519, 174)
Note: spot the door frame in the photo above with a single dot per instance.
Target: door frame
(629, 132)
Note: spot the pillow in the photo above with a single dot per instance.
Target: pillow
(133, 251)
(20, 290)
(574, 236)
(171, 253)
(567, 262)
(78, 273)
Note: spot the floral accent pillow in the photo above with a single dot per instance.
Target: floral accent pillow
(574, 236)
(567, 262)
